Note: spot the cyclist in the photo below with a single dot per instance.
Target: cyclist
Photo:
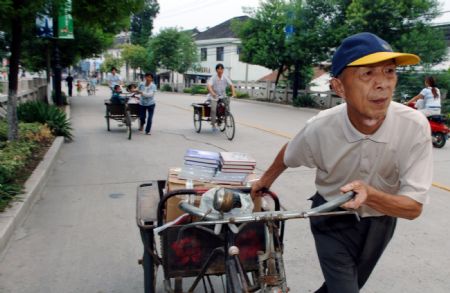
(360, 145)
(217, 88)
(114, 78)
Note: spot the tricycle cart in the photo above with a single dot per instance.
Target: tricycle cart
(123, 113)
(190, 251)
(225, 120)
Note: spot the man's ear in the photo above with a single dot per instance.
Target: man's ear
(338, 87)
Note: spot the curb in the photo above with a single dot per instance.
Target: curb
(14, 216)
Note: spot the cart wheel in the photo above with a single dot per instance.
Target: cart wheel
(128, 123)
(107, 120)
(149, 273)
(229, 126)
(197, 121)
(221, 123)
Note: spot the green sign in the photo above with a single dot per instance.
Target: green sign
(65, 21)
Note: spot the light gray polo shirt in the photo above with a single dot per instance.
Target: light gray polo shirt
(219, 85)
(396, 159)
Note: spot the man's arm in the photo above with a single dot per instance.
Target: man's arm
(270, 175)
(210, 89)
(400, 206)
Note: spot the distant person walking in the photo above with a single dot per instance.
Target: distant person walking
(69, 80)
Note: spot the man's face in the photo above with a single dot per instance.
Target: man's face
(219, 71)
(113, 72)
(149, 78)
(368, 90)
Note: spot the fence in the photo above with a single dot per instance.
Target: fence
(266, 91)
(28, 89)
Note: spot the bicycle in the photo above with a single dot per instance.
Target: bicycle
(224, 118)
(247, 250)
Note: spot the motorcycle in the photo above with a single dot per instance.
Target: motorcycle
(439, 130)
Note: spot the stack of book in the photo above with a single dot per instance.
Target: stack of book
(235, 162)
(206, 159)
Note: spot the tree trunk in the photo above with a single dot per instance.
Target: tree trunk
(296, 81)
(13, 79)
(173, 82)
(127, 69)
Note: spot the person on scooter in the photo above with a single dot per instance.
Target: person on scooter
(428, 101)
(371, 145)
(217, 88)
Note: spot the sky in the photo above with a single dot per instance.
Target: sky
(201, 14)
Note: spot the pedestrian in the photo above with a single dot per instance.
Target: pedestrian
(79, 87)
(147, 90)
(217, 86)
(428, 101)
(371, 145)
(114, 78)
(69, 80)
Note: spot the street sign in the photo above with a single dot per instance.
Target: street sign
(65, 21)
(44, 26)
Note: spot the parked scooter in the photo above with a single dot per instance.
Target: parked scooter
(439, 131)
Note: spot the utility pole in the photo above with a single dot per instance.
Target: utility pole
(56, 61)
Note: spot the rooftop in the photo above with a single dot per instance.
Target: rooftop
(220, 31)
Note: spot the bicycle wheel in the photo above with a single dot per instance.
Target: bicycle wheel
(128, 123)
(197, 120)
(229, 126)
(107, 120)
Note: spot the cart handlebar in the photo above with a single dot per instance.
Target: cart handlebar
(327, 209)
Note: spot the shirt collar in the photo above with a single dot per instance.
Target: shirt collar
(381, 135)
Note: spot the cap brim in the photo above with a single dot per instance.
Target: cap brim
(400, 58)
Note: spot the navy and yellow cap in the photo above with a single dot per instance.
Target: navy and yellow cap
(365, 49)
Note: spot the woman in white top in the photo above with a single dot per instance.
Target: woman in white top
(428, 101)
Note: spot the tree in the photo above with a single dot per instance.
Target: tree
(110, 62)
(404, 24)
(314, 30)
(18, 19)
(142, 23)
(174, 50)
(136, 56)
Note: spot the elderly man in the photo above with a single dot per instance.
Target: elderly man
(378, 148)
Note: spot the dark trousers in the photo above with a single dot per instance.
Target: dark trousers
(70, 90)
(348, 250)
(142, 114)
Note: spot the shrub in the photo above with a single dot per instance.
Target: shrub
(7, 194)
(187, 90)
(241, 95)
(304, 101)
(13, 157)
(199, 89)
(166, 88)
(55, 118)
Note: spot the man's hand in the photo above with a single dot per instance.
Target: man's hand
(362, 191)
(258, 189)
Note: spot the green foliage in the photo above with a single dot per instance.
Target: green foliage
(174, 50)
(55, 118)
(199, 89)
(109, 62)
(142, 23)
(166, 88)
(305, 100)
(14, 156)
(404, 24)
(136, 56)
(8, 193)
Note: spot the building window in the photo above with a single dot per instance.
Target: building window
(203, 54)
(219, 53)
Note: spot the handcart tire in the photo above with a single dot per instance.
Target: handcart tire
(149, 273)
(128, 123)
(229, 126)
(221, 123)
(197, 121)
(107, 120)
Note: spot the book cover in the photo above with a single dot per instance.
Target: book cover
(241, 167)
(203, 164)
(236, 171)
(202, 156)
(237, 158)
(197, 173)
(229, 178)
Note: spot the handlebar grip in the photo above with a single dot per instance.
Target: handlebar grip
(332, 204)
(195, 211)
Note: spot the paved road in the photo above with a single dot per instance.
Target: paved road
(82, 237)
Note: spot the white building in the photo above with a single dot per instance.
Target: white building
(220, 44)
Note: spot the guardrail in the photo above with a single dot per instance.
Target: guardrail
(28, 89)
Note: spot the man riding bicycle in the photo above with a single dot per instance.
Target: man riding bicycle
(217, 88)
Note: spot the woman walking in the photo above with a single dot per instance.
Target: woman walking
(147, 91)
